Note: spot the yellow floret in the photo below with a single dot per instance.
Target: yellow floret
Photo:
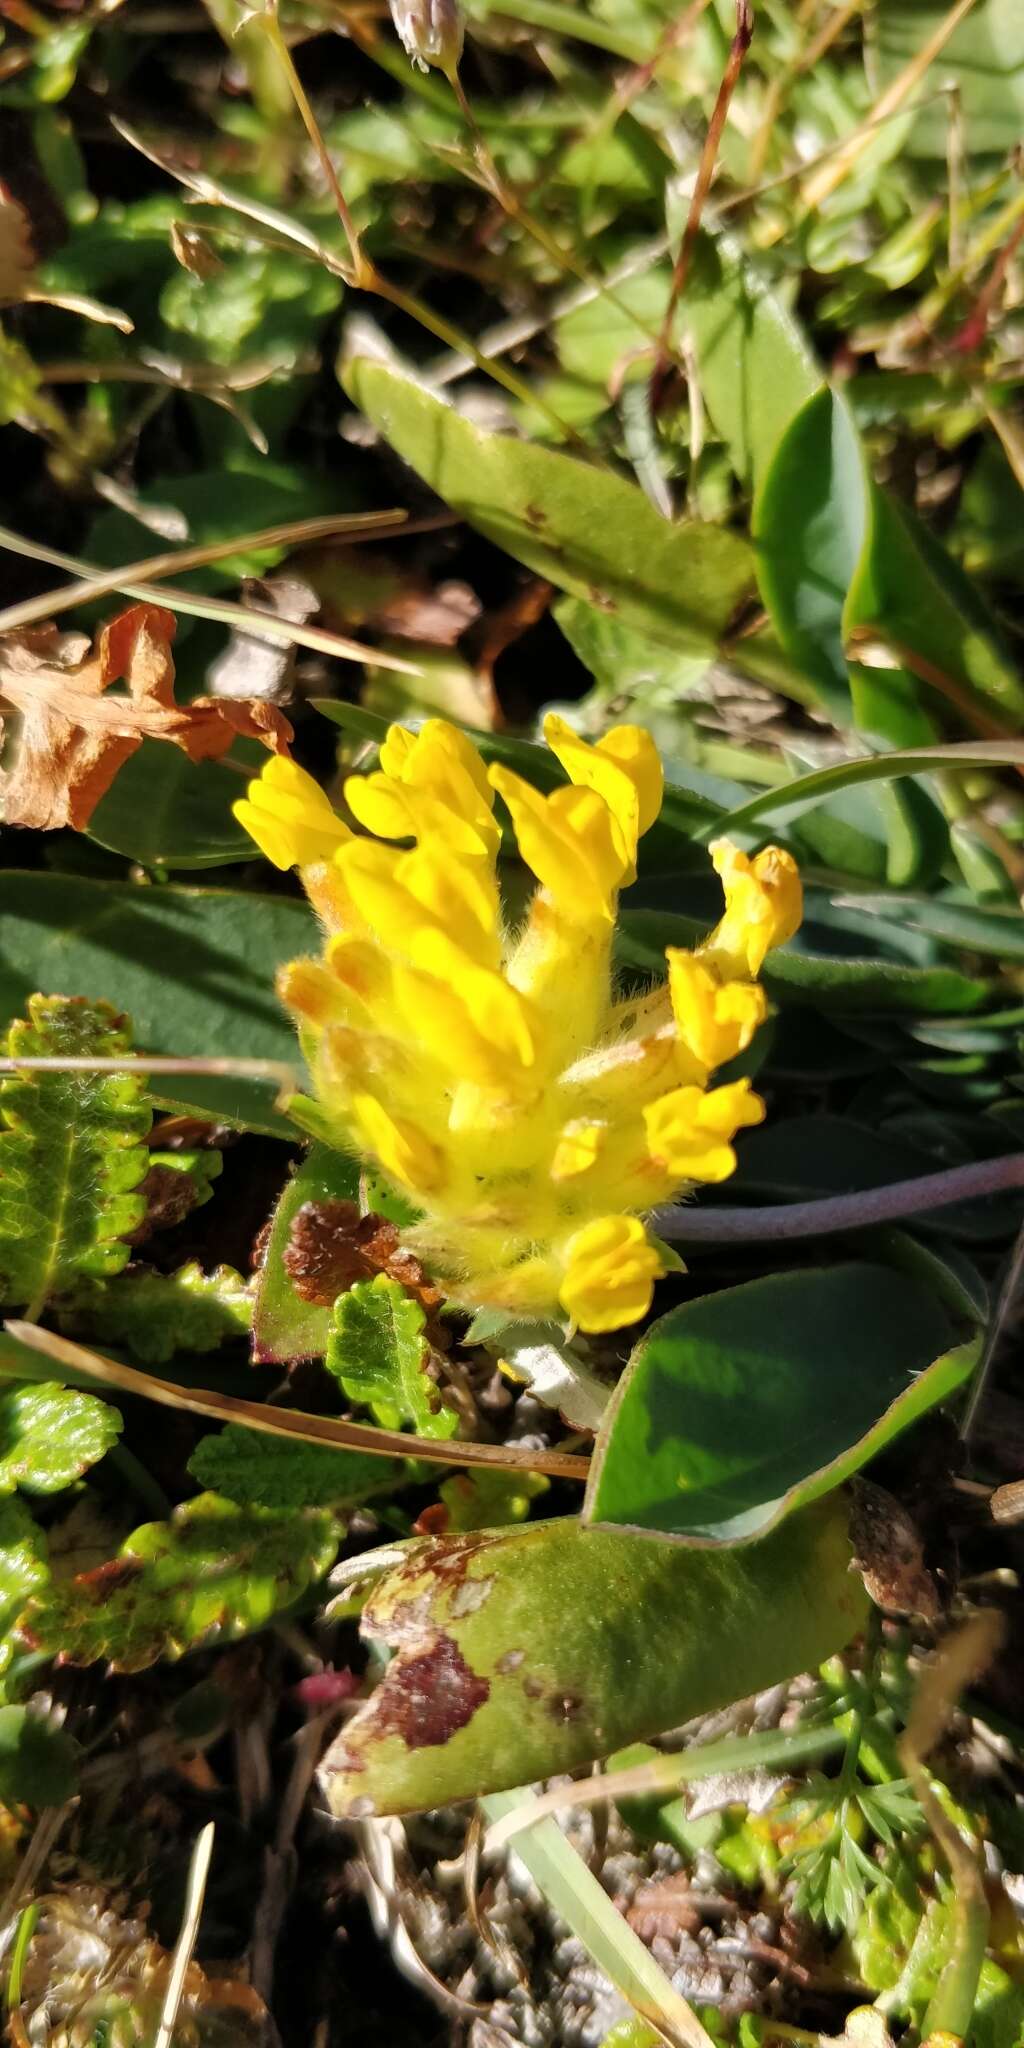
(289, 816)
(611, 1268)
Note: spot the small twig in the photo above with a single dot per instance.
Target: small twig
(1004, 1307)
(709, 155)
(199, 1870)
(855, 1211)
(312, 1429)
(245, 616)
(175, 561)
(285, 1076)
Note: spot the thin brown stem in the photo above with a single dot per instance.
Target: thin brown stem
(738, 48)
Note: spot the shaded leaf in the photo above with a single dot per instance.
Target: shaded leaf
(50, 1435)
(153, 1315)
(194, 967)
(377, 1351)
(522, 1653)
(755, 365)
(167, 811)
(740, 1406)
(983, 60)
(71, 1153)
(214, 1572)
(811, 524)
(582, 528)
(268, 1471)
(37, 1760)
(489, 1500)
(73, 735)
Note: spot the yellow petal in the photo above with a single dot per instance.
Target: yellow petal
(689, 1131)
(611, 1268)
(500, 1015)
(715, 1019)
(459, 896)
(289, 816)
(635, 751)
(579, 1144)
(763, 907)
(402, 1149)
(571, 843)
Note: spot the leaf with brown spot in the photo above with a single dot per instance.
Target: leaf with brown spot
(586, 1639)
(74, 732)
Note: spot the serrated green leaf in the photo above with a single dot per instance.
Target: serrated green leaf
(71, 1154)
(376, 1350)
(23, 1568)
(270, 1472)
(50, 1435)
(156, 1314)
(37, 1761)
(214, 1572)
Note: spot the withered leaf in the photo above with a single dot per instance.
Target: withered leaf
(75, 733)
(17, 251)
(331, 1247)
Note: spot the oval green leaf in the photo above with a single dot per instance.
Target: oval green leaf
(520, 1653)
(741, 1406)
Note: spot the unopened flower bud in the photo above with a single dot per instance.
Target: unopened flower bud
(431, 31)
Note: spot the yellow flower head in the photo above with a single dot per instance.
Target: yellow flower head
(496, 1075)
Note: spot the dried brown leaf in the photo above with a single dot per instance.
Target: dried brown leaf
(75, 733)
(331, 1247)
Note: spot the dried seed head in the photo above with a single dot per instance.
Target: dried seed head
(431, 31)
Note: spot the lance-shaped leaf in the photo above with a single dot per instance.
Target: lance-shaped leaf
(214, 1572)
(376, 1349)
(739, 1406)
(37, 1760)
(520, 1653)
(50, 1435)
(156, 1314)
(71, 1154)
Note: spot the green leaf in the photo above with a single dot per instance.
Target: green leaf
(270, 1472)
(194, 968)
(37, 1761)
(211, 1574)
(909, 589)
(156, 1314)
(810, 789)
(738, 1407)
(376, 1350)
(164, 810)
(250, 494)
(49, 1436)
(811, 523)
(523, 1653)
(755, 365)
(588, 531)
(71, 1154)
(23, 1568)
(284, 1327)
(490, 1499)
(840, 986)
